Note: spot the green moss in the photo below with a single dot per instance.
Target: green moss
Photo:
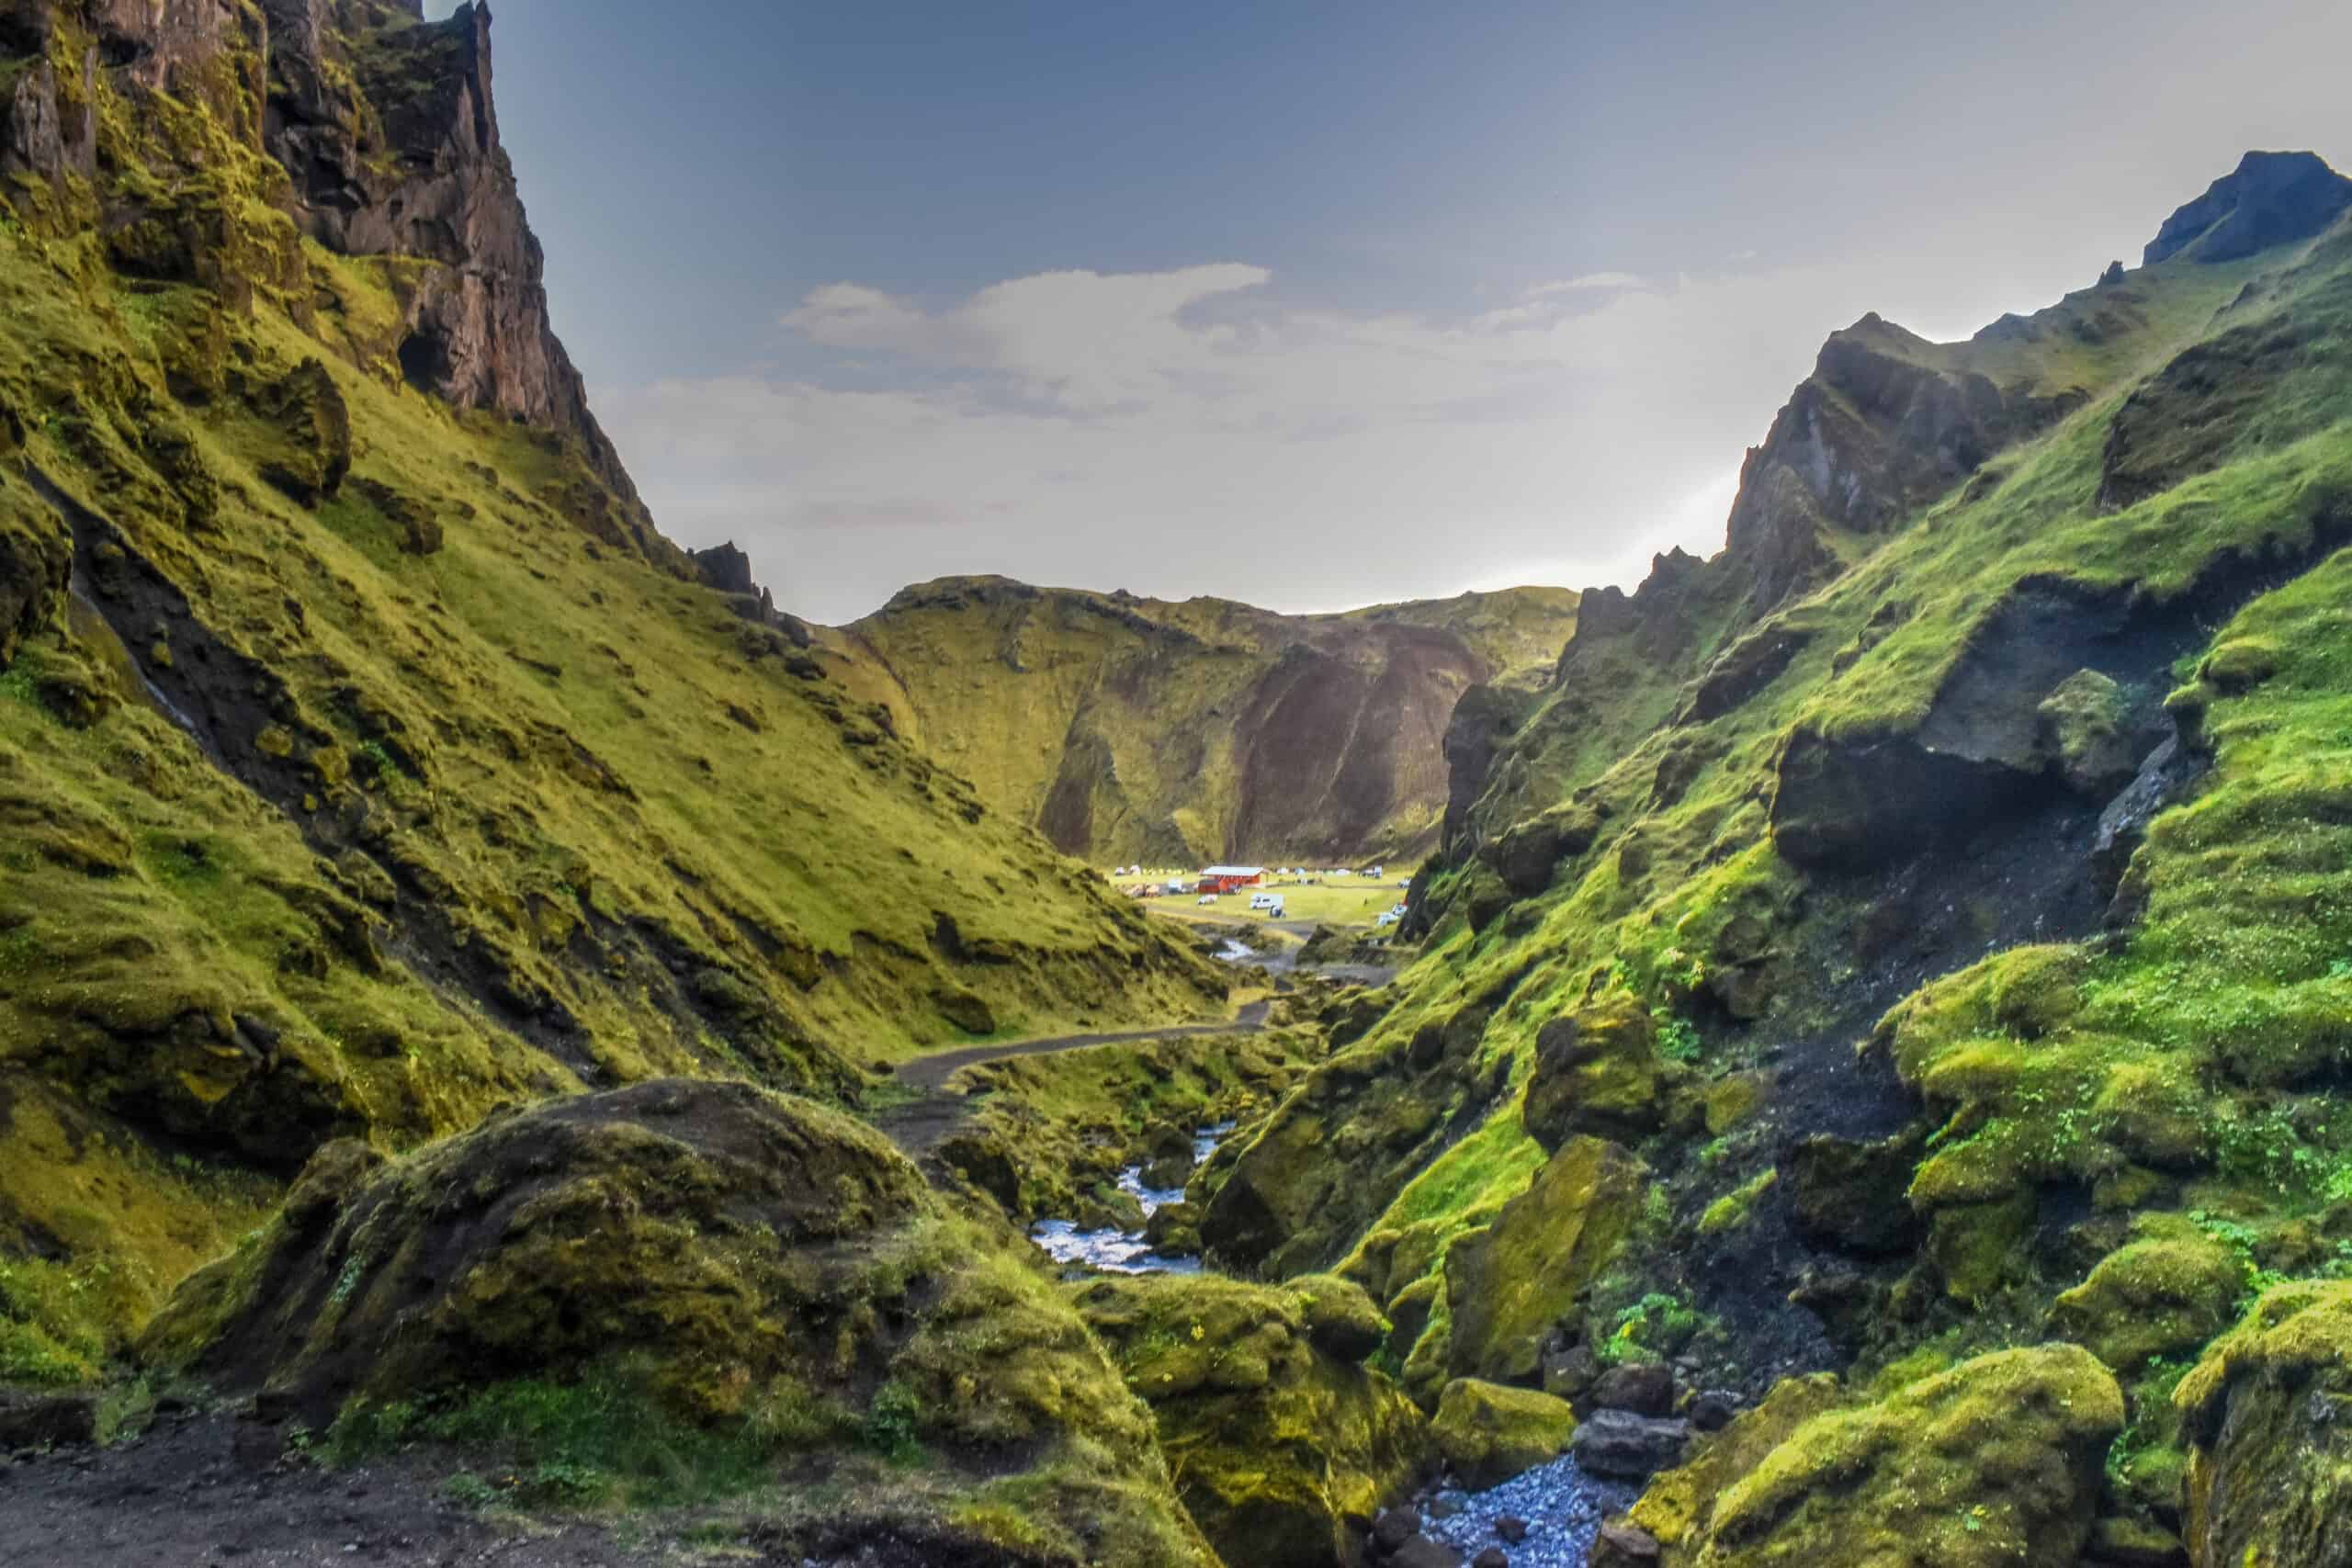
(2163, 1294)
(1510, 1285)
(1997, 1461)
(1489, 1433)
(1732, 1209)
(1280, 1442)
(2271, 1467)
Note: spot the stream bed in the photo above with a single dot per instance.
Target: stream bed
(1126, 1252)
(1562, 1506)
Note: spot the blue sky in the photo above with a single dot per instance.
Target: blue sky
(1313, 305)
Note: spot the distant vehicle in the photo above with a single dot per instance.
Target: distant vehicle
(1206, 898)
(1398, 911)
(1274, 907)
(1387, 918)
(1377, 873)
(1265, 901)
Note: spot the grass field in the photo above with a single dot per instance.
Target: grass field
(1350, 901)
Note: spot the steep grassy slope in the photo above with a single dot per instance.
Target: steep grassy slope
(1130, 728)
(2038, 797)
(367, 761)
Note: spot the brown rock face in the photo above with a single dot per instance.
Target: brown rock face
(389, 130)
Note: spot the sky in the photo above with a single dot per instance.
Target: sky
(1315, 305)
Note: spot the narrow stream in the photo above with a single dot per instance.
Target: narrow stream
(1126, 1252)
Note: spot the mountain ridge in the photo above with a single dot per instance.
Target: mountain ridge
(1130, 728)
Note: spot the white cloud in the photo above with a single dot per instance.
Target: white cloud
(1590, 280)
(1180, 431)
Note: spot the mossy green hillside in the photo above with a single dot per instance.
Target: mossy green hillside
(2182, 1066)
(383, 768)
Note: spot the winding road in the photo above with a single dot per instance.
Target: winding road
(921, 1125)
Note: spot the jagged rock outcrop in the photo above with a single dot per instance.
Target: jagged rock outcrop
(387, 126)
(1886, 420)
(2269, 199)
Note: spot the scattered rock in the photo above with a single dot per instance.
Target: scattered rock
(1419, 1552)
(1597, 1072)
(1848, 1194)
(2267, 1413)
(1395, 1527)
(1713, 1410)
(1492, 1557)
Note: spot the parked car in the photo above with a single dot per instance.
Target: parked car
(1388, 918)
(1265, 900)
(1206, 898)
(1274, 907)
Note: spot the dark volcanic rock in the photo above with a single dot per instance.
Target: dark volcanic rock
(48, 1421)
(1619, 1443)
(2270, 198)
(1848, 1194)
(1643, 1388)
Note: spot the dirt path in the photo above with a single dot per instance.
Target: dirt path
(200, 1490)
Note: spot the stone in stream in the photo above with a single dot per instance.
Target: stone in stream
(1513, 1528)
(1493, 1557)
(1623, 1546)
(1619, 1443)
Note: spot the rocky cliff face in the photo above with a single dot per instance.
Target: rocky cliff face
(386, 129)
(1131, 729)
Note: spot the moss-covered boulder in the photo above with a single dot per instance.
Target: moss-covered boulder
(1509, 1284)
(2169, 1290)
(2086, 728)
(1597, 1073)
(747, 1261)
(1996, 1461)
(1679, 1504)
(1489, 1433)
(2268, 1413)
(1282, 1445)
(310, 450)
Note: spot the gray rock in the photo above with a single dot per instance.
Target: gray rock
(1619, 1443)
(1422, 1553)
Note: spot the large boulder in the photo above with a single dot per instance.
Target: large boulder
(1489, 1433)
(1995, 1462)
(1282, 1443)
(2268, 1415)
(1597, 1071)
(735, 1259)
(1507, 1286)
(2169, 1290)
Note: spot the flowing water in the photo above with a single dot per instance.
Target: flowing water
(1126, 1252)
